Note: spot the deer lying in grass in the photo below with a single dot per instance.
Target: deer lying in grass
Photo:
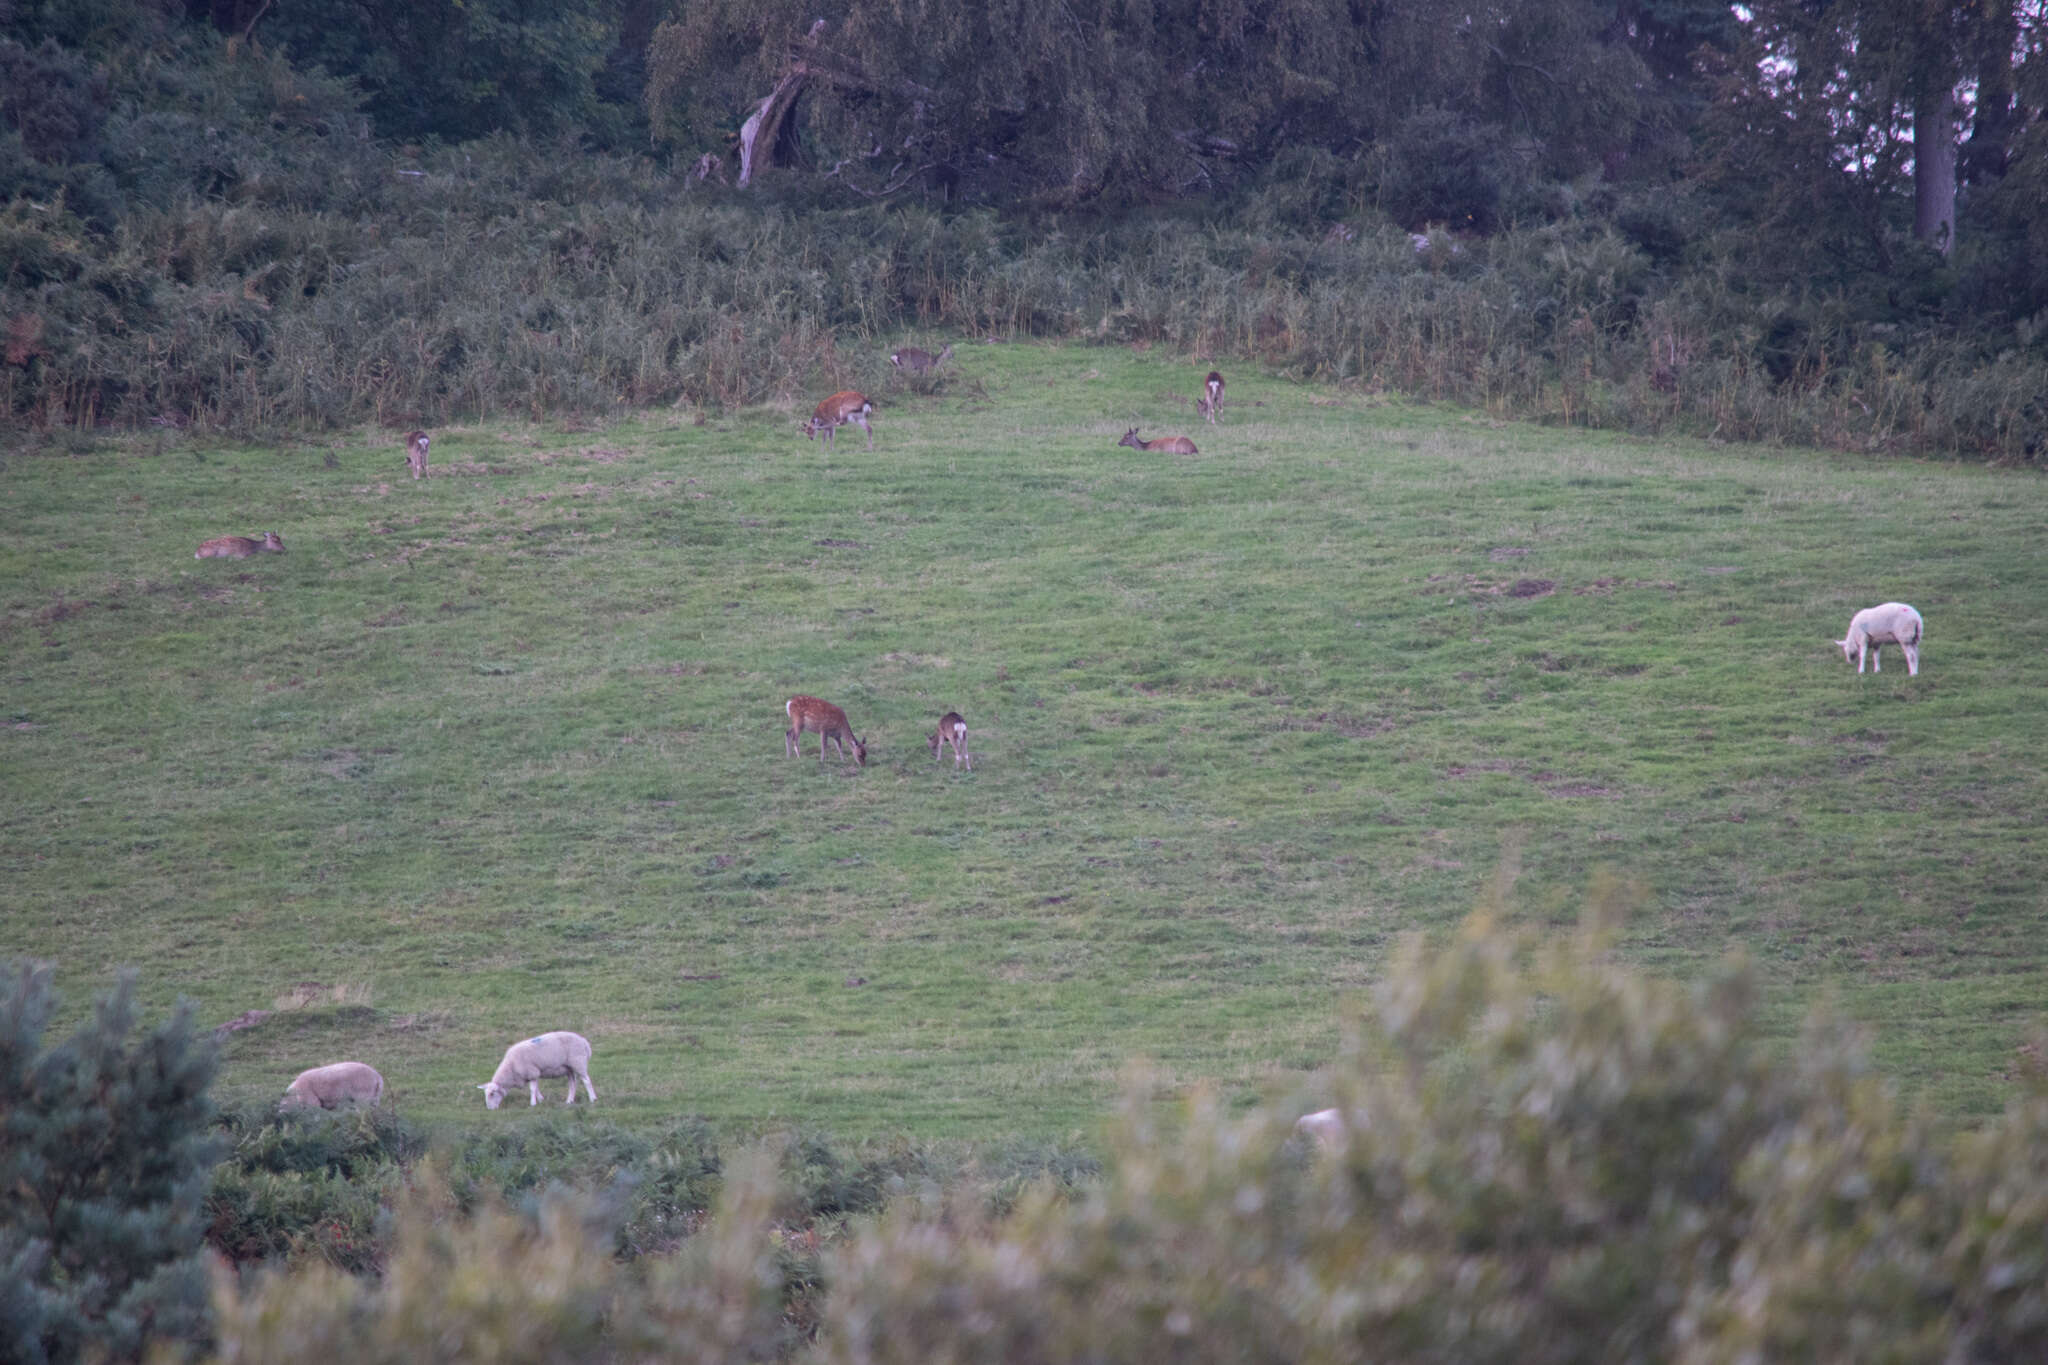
(416, 453)
(1209, 406)
(915, 361)
(1172, 445)
(952, 730)
(836, 411)
(238, 547)
(827, 722)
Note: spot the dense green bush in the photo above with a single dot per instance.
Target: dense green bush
(104, 1154)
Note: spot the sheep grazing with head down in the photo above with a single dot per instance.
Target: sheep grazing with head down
(561, 1053)
(330, 1087)
(1871, 629)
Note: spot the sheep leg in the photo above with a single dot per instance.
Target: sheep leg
(1877, 657)
(1912, 660)
(532, 1093)
(572, 1089)
(588, 1088)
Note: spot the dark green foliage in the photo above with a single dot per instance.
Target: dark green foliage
(1446, 169)
(458, 72)
(104, 1156)
(53, 100)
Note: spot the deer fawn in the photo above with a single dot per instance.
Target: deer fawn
(1210, 405)
(416, 453)
(1172, 445)
(916, 361)
(952, 730)
(836, 411)
(826, 721)
(238, 547)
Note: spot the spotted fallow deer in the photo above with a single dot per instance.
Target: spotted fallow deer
(836, 411)
(827, 722)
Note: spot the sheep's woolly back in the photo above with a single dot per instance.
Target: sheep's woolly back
(1887, 623)
(561, 1053)
(1326, 1126)
(338, 1083)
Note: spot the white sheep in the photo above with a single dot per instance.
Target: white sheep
(551, 1054)
(1325, 1126)
(1874, 627)
(330, 1087)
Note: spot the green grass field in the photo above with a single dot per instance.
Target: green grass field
(502, 751)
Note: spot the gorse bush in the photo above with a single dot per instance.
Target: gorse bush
(1546, 1157)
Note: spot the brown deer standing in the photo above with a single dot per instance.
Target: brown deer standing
(1172, 445)
(238, 547)
(916, 361)
(416, 453)
(827, 722)
(1214, 402)
(952, 730)
(836, 411)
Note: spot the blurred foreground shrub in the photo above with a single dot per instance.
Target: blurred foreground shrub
(1546, 1157)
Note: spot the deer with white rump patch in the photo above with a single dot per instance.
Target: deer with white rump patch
(828, 723)
(1871, 629)
(952, 730)
(836, 411)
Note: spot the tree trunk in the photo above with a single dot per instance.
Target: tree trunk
(1997, 122)
(1934, 170)
(758, 133)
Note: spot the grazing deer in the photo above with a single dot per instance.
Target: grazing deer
(952, 730)
(915, 361)
(238, 547)
(826, 721)
(1172, 445)
(416, 453)
(836, 411)
(1214, 385)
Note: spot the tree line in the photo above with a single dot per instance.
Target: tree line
(1862, 178)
